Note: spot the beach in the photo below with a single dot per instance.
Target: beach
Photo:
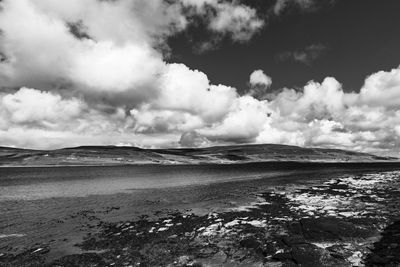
(259, 214)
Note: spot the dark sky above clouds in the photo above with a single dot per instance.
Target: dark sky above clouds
(185, 73)
(359, 36)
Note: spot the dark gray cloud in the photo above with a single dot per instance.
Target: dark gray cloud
(281, 6)
(306, 56)
(78, 30)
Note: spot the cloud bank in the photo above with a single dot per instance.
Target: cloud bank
(94, 72)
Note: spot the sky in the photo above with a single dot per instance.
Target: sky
(196, 73)
(351, 40)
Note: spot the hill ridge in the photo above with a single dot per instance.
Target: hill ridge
(114, 155)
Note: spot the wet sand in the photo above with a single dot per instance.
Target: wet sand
(240, 222)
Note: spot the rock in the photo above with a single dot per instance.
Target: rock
(322, 229)
(250, 242)
(224, 244)
(219, 257)
(293, 240)
(239, 254)
(283, 256)
(250, 263)
(338, 251)
(86, 259)
(308, 255)
(376, 259)
(386, 251)
(206, 251)
(196, 264)
(184, 260)
(273, 264)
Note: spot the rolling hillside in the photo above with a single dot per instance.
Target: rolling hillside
(110, 155)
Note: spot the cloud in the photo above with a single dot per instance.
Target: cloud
(242, 124)
(258, 77)
(320, 115)
(306, 5)
(98, 70)
(324, 115)
(306, 56)
(105, 66)
(106, 50)
(240, 21)
(236, 20)
(189, 90)
(57, 58)
(94, 72)
(381, 89)
(259, 83)
(33, 107)
(193, 139)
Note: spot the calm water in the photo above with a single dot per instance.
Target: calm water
(48, 204)
(47, 182)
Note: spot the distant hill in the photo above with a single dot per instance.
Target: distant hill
(111, 155)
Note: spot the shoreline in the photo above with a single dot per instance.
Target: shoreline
(255, 213)
(207, 164)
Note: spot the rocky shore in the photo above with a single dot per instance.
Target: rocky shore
(351, 220)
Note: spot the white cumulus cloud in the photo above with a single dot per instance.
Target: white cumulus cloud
(94, 72)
